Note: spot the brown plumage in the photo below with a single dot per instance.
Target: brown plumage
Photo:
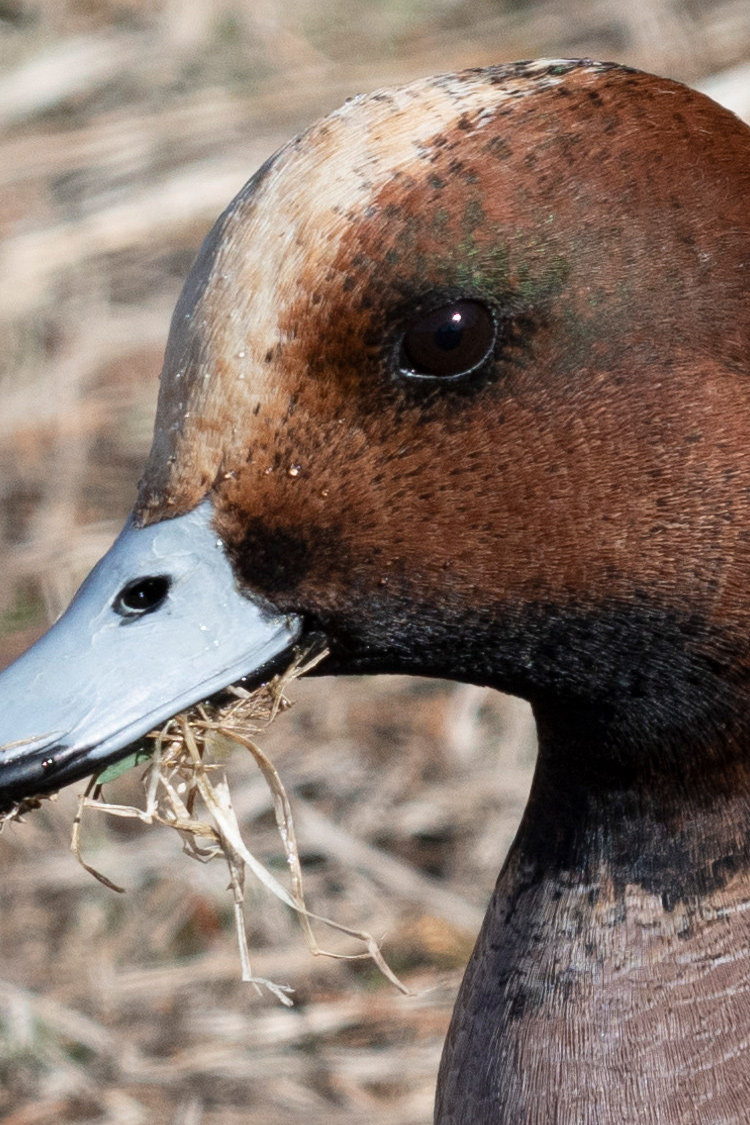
(570, 521)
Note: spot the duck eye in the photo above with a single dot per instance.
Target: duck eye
(450, 341)
(141, 596)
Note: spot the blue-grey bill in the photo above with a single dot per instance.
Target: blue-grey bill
(99, 679)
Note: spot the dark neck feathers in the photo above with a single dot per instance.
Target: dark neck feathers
(611, 980)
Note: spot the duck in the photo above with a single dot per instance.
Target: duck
(460, 382)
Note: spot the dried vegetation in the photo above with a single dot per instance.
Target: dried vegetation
(125, 126)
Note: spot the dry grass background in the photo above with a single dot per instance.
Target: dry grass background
(125, 126)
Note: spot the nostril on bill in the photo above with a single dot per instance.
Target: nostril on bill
(142, 596)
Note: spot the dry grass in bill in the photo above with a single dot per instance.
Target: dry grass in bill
(186, 788)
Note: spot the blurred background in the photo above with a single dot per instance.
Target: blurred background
(125, 127)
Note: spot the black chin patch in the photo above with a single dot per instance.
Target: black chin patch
(273, 559)
(625, 677)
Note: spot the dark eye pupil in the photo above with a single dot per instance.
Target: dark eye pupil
(142, 596)
(449, 336)
(449, 341)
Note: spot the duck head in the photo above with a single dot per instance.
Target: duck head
(460, 381)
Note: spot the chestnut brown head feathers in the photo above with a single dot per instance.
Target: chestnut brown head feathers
(574, 443)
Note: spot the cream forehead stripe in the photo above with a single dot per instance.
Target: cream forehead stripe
(274, 232)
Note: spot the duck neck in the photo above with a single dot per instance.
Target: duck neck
(611, 980)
